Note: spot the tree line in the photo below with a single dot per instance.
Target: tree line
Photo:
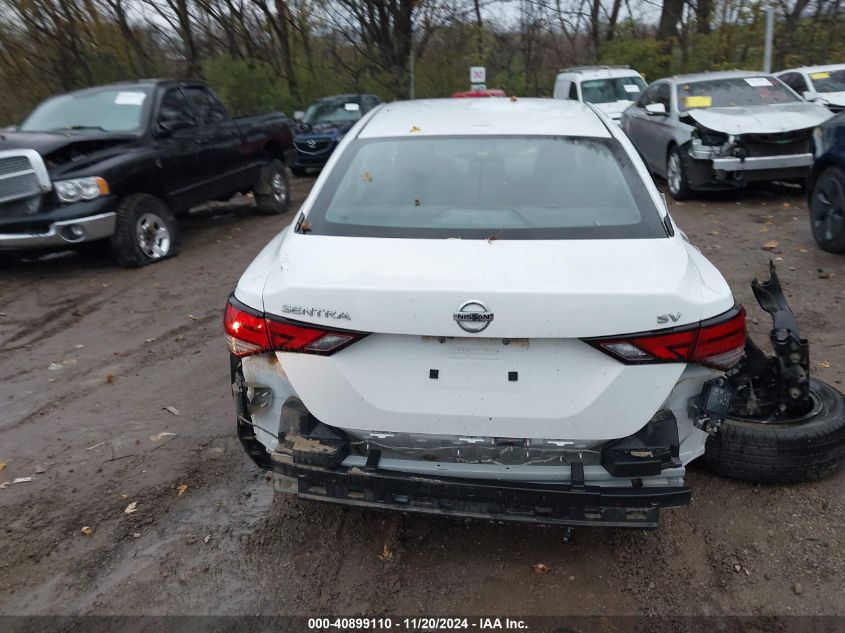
(281, 54)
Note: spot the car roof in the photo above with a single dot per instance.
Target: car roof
(582, 73)
(721, 74)
(484, 117)
(812, 69)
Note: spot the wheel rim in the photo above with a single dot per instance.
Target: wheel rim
(673, 173)
(153, 236)
(279, 187)
(829, 209)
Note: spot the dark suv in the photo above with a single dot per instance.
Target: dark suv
(322, 126)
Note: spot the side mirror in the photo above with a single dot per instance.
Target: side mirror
(656, 109)
(810, 95)
(168, 127)
(298, 115)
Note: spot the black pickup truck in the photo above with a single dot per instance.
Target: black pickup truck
(120, 162)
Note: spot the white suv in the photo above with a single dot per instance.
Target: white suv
(611, 88)
(483, 309)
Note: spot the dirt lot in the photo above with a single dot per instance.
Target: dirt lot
(92, 355)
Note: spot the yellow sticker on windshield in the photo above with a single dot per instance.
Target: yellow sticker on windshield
(698, 102)
(819, 75)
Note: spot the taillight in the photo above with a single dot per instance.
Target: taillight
(718, 342)
(251, 332)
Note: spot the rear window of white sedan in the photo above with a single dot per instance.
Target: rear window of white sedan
(506, 187)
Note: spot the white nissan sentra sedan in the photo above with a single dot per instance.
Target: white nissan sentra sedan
(483, 309)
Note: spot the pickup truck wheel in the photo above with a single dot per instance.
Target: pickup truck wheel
(676, 175)
(146, 231)
(272, 192)
(790, 451)
(827, 210)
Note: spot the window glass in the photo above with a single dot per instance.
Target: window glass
(725, 93)
(208, 108)
(573, 91)
(332, 111)
(175, 107)
(828, 80)
(612, 89)
(113, 109)
(794, 81)
(473, 187)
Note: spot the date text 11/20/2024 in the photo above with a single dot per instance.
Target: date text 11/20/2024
(416, 624)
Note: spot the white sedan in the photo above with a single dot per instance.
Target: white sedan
(484, 309)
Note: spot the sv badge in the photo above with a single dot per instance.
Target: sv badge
(665, 318)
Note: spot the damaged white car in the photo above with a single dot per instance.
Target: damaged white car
(722, 130)
(483, 309)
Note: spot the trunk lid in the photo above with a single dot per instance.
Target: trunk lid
(527, 375)
(535, 288)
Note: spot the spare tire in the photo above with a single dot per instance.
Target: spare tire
(805, 449)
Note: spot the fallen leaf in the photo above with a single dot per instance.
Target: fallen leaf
(160, 436)
(763, 229)
(3, 485)
(172, 410)
(802, 250)
(54, 366)
(415, 129)
(2, 466)
(22, 480)
(182, 489)
(540, 568)
(770, 245)
(386, 554)
(132, 507)
(824, 364)
(207, 538)
(367, 177)
(827, 275)
(513, 98)
(109, 379)
(87, 530)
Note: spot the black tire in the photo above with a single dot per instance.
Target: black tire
(299, 171)
(775, 453)
(827, 210)
(146, 232)
(679, 188)
(272, 191)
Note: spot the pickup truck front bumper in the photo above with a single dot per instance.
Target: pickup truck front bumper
(62, 233)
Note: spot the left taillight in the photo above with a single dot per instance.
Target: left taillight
(717, 343)
(251, 332)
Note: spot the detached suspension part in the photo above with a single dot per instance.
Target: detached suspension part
(778, 385)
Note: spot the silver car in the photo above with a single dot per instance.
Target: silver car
(722, 130)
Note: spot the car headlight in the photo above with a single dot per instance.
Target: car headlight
(81, 189)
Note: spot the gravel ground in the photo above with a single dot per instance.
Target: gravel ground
(93, 354)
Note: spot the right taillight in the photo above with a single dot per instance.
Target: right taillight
(252, 332)
(718, 342)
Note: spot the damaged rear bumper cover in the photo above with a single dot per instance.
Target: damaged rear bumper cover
(573, 504)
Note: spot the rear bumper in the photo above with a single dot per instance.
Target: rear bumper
(569, 505)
